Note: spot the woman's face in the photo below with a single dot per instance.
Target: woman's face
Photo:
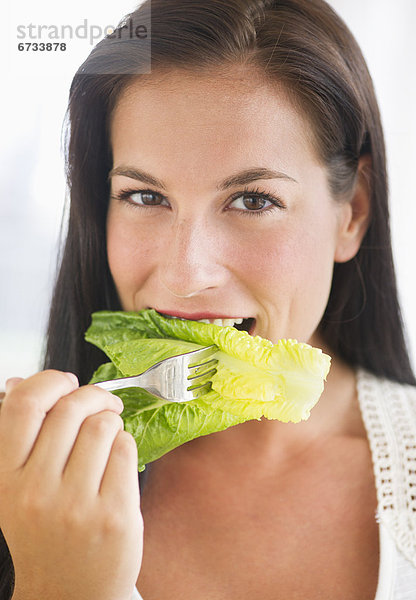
(220, 208)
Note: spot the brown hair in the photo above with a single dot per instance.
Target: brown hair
(301, 44)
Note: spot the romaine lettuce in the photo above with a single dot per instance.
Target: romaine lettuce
(254, 377)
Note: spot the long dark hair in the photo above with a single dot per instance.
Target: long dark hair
(303, 45)
(306, 47)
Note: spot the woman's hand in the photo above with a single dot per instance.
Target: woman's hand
(69, 494)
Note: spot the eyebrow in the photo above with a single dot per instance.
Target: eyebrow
(241, 178)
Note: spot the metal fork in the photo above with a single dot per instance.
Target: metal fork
(176, 379)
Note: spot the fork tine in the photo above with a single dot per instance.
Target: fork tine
(201, 369)
(201, 380)
(167, 378)
(199, 356)
(197, 392)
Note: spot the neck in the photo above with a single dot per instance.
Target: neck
(266, 444)
(336, 414)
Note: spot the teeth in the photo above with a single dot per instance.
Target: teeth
(221, 322)
(228, 322)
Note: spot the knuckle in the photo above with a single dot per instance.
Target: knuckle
(96, 425)
(79, 400)
(70, 406)
(125, 446)
(103, 396)
(57, 378)
(102, 423)
(99, 392)
(56, 374)
(53, 372)
(22, 402)
(65, 407)
(25, 397)
(91, 395)
(73, 517)
(114, 522)
(32, 502)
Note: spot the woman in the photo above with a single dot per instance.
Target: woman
(243, 177)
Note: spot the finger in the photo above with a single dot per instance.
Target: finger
(12, 382)
(62, 426)
(87, 462)
(24, 409)
(120, 483)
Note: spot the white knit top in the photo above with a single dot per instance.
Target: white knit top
(389, 414)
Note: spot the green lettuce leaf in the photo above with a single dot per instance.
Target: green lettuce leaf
(254, 377)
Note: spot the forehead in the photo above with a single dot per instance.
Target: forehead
(222, 117)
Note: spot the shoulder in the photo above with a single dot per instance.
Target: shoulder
(389, 413)
(388, 409)
(372, 388)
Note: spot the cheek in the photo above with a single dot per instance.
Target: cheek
(286, 259)
(290, 272)
(266, 263)
(129, 253)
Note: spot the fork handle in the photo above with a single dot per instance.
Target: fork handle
(145, 380)
(115, 384)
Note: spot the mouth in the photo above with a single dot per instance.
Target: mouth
(240, 323)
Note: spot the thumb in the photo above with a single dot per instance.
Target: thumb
(12, 382)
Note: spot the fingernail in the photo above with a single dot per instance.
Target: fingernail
(120, 401)
(11, 382)
(73, 378)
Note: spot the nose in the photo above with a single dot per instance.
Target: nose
(193, 260)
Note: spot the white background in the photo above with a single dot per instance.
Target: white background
(32, 184)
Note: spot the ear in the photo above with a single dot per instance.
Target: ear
(355, 214)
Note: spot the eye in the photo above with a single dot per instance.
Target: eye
(254, 202)
(141, 198)
(247, 202)
(147, 198)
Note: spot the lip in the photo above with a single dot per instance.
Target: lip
(197, 316)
